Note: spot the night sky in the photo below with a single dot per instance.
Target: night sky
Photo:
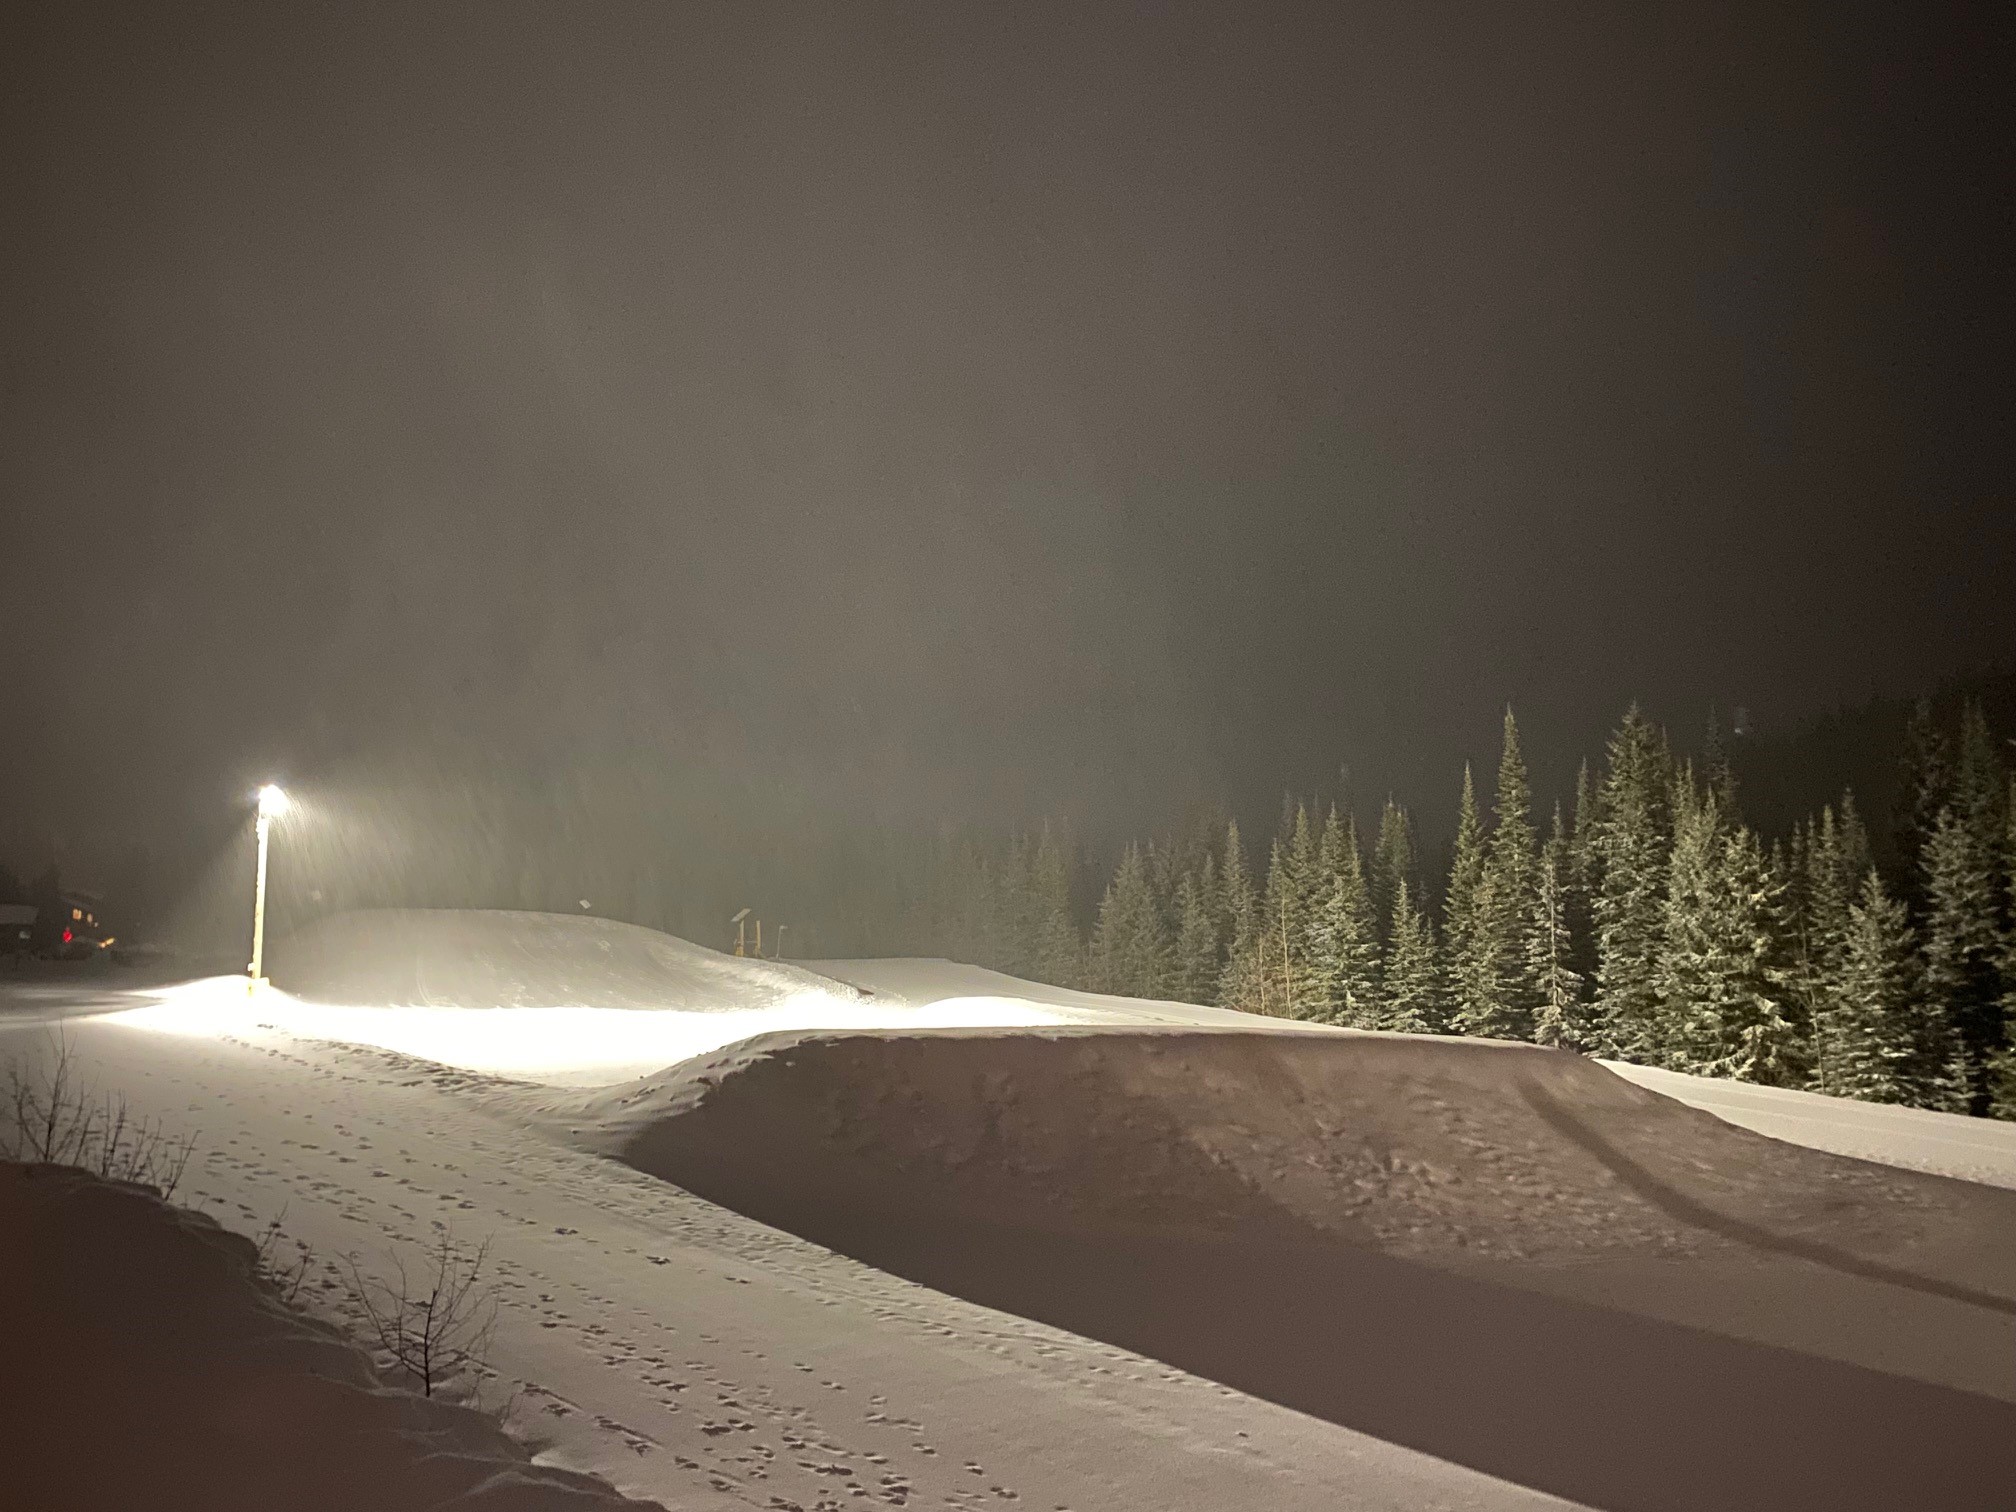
(977, 412)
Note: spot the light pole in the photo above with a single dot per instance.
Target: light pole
(272, 802)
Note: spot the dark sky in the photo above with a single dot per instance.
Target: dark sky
(980, 411)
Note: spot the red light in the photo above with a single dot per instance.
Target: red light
(68, 937)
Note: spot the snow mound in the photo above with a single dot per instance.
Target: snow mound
(1500, 1255)
(162, 1372)
(492, 958)
(1416, 1146)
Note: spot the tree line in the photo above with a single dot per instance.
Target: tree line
(1645, 921)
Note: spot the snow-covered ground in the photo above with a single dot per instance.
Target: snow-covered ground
(1971, 1149)
(1513, 1217)
(160, 1371)
(685, 1353)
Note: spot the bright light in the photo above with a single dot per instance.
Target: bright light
(560, 1045)
(272, 802)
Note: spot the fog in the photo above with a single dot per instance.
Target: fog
(724, 444)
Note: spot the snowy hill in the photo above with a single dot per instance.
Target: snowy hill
(491, 958)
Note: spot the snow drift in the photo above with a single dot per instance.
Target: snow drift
(1506, 1256)
(148, 1368)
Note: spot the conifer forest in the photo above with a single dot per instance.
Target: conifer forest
(1643, 920)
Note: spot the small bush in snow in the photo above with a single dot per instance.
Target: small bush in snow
(434, 1324)
(46, 1116)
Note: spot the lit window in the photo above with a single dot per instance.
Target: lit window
(77, 913)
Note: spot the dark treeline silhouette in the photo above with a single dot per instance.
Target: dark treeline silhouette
(1646, 921)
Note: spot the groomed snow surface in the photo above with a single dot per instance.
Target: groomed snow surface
(1043, 1249)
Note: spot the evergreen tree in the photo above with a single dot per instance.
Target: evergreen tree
(1242, 984)
(1276, 942)
(1719, 1006)
(1393, 865)
(1196, 961)
(1820, 921)
(1058, 951)
(1304, 883)
(1132, 954)
(1582, 854)
(1561, 1018)
(1925, 789)
(1014, 899)
(1581, 880)
(1289, 985)
(1411, 985)
(1330, 855)
(1963, 950)
(1237, 903)
(1875, 1046)
(1854, 836)
(2002, 1089)
(1344, 958)
(1979, 783)
(1716, 772)
(1499, 991)
(1460, 907)
(1630, 848)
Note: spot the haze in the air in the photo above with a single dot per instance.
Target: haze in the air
(755, 427)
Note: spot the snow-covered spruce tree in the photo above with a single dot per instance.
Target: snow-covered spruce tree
(1501, 996)
(1344, 944)
(1131, 951)
(1241, 984)
(1305, 882)
(1716, 773)
(1561, 1019)
(1630, 849)
(1719, 1003)
(1415, 1001)
(1329, 858)
(1289, 986)
(2002, 1082)
(1963, 952)
(1393, 864)
(1925, 788)
(1583, 875)
(1460, 908)
(1876, 1029)
(1059, 951)
(1014, 907)
(1195, 978)
(1820, 925)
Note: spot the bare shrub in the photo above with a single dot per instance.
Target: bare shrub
(47, 1115)
(436, 1324)
(285, 1273)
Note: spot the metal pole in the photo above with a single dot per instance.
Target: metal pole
(259, 906)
